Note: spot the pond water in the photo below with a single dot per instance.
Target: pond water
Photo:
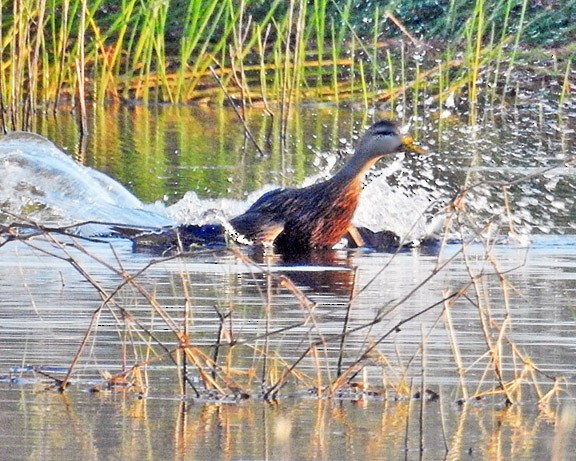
(318, 359)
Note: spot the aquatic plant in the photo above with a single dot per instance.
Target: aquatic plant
(61, 52)
(336, 355)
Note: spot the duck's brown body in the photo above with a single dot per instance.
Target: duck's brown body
(318, 216)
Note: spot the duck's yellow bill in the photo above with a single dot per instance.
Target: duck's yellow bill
(408, 142)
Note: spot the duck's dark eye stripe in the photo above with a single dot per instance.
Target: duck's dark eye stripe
(384, 128)
(384, 132)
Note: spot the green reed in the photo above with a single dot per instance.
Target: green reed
(319, 24)
(58, 52)
(475, 44)
(335, 77)
(565, 83)
(196, 27)
(516, 46)
(500, 50)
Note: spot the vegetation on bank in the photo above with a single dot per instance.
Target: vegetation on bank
(274, 54)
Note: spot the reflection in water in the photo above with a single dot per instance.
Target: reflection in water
(316, 271)
(118, 426)
(196, 166)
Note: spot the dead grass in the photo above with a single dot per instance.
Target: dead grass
(237, 364)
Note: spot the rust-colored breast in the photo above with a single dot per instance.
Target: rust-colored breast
(322, 218)
(334, 223)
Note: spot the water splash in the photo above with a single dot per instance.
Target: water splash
(191, 209)
(42, 183)
(404, 211)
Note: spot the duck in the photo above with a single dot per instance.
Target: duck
(316, 217)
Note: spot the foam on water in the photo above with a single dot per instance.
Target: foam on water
(42, 183)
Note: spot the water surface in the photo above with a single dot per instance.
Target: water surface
(406, 328)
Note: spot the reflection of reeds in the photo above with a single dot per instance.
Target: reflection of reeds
(307, 429)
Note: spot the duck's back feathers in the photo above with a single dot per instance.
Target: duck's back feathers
(265, 219)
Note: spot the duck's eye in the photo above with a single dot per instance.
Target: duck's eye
(383, 128)
(384, 132)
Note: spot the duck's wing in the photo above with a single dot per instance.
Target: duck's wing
(265, 219)
(257, 227)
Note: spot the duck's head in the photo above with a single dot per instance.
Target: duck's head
(384, 138)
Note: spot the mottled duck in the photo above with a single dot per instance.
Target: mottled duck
(318, 216)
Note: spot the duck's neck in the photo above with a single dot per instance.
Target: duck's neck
(354, 170)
